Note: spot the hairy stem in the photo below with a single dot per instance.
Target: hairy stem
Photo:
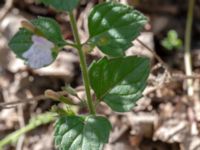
(82, 64)
(187, 54)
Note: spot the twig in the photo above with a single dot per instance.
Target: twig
(29, 100)
(4, 11)
(8, 104)
(174, 78)
(184, 77)
(116, 135)
(165, 66)
(187, 54)
(21, 121)
(153, 89)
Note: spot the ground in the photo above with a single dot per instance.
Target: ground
(164, 118)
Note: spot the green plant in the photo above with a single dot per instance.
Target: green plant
(171, 41)
(39, 120)
(116, 79)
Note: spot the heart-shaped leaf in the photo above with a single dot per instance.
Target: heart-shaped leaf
(119, 81)
(113, 27)
(61, 5)
(81, 133)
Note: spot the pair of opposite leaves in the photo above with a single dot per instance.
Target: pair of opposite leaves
(112, 28)
(117, 81)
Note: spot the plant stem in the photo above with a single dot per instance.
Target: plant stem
(82, 64)
(187, 54)
(41, 119)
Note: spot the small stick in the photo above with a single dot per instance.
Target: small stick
(187, 53)
(4, 11)
(38, 98)
(184, 77)
(156, 56)
(8, 105)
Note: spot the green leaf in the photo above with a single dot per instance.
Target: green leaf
(38, 44)
(46, 27)
(21, 42)
(119, 82)
(172, 41)
(113, 27)
(79, 133)
(61, 5)
(49, 29)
